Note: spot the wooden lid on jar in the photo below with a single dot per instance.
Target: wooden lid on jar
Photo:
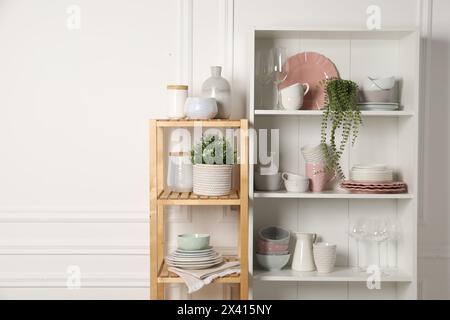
(177, 87)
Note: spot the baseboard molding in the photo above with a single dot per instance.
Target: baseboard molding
(73, 215)
(17, 280)
(68, 249)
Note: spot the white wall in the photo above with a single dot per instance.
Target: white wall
(73, 129)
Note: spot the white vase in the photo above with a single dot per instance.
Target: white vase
(303, 254)
(218, 87)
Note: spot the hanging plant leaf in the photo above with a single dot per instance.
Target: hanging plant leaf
(341, 97)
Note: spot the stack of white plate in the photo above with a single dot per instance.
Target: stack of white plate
(194, 259)
(378, 106)
(371, 173)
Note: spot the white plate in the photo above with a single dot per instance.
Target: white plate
(201, 254)
(209, 256)
(196, 259)
(378, 106)
(195, 251)
(193, 266)
(198, 263)
(376, 166)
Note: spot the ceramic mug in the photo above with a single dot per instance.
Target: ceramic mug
(317, 176)
(291, 176)
(292, 96)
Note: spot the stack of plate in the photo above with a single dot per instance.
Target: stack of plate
(378, 106)
(374, 187)
(371, 173)
(372, 178)
(194, 259)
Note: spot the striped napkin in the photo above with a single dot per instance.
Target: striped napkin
(197, 279)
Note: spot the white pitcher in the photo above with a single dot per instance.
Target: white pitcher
(303, 254)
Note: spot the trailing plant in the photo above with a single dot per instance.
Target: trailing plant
(341, 98)
(213, 149)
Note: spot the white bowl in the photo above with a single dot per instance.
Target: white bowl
(372, 83)
(267, 182)
(273, 262)
(200, 108)
(297, 185)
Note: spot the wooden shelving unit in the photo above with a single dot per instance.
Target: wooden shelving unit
(161, 197)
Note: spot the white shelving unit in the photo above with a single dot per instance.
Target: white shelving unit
(390, 137)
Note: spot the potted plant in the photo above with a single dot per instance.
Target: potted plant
(341, 112)
(213, 159)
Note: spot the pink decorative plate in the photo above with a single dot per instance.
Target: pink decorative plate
(376, 191)
(312, 68)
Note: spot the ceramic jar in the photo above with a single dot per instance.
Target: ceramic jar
(218, 87)
(176, 97)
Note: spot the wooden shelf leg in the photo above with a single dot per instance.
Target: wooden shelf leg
(161, 291)
(243, 210)
(161, 246)
(153, 214)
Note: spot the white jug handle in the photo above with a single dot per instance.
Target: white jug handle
(284, 176)
(307, 88)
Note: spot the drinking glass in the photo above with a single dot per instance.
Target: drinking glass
(280, 69)
(378, 232)
(358, 232)
(263, 72)
(394, 235)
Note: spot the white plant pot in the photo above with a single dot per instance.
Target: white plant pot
(212, 179)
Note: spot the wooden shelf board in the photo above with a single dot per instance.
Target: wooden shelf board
(169, 277)
(262, 112)
(340, 274)
(329, 195)
(167, 197)
(213, 123)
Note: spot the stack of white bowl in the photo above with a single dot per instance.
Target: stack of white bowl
(379, 94)
(272, 250)
(371, 173)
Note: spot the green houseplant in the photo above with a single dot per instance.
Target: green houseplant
(213, 159)
(342, 114)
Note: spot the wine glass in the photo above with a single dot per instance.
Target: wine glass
(358, 232)
(263, 71)
(394, 235)
(280, 69)
(378, 232)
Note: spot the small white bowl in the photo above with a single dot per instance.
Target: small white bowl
(267, 182)
(297, 185)
(273, 262)
(372, 83)
(200, 108)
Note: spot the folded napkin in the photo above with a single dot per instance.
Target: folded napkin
(197, 279)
